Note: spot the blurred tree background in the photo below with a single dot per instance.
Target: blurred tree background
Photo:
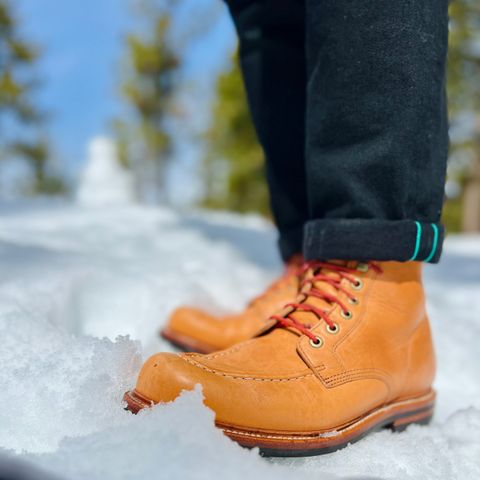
(22, 122)
(152, 83)
(233, 165)
(231, 172)
(462, 210)
(144, 140)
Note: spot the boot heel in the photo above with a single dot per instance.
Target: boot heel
(419, 418)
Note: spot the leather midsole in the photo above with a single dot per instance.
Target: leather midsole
(401, 411)
(391, 412)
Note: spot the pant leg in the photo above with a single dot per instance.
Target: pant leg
(272, 57)
(376, 129)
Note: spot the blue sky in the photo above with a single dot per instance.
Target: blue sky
(83, 41)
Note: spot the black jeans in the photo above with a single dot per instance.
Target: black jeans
(348, 100)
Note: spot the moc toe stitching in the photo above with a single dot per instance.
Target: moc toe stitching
(218, 354)
(239, 377)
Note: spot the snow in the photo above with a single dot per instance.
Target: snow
(83, 292)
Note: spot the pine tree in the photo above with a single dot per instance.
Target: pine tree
(15, 54)
(18, 112)
(144, 141)
(233, 167)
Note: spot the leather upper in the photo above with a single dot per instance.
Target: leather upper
(222, 332)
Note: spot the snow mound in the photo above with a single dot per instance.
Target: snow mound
(83, 293)
(200, 450)
(103, 180)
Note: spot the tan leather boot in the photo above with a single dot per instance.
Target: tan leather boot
(195, 330)
(351, 355)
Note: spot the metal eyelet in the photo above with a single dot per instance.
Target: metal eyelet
(363, 267)
(318, 343)
(346, 314)
(357, 284)
(353, 301)
(333, 330)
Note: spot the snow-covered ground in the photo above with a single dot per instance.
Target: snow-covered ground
(83, 292)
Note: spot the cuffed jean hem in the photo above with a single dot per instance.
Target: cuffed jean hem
(360, 239)
(290, 243)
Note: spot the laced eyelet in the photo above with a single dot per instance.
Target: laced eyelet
(333, 330)
(316, 344)
(357, 284)
(363, 267)
(353, 301)
(346, 314)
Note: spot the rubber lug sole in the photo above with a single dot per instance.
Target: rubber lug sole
(396, 416)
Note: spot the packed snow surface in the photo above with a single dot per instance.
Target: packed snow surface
(83, 292)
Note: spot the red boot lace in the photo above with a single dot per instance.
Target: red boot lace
(288, 321)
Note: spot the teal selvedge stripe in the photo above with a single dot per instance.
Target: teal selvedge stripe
(418, 241)
(435, 242)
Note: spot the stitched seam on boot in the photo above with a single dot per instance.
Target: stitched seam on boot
(319, 368)
(357, 371)
(360, 375)
(239, 377)
(357, 324)
(421, 324)
(219, 354)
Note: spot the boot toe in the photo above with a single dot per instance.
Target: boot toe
(194, 330)
(164, 376)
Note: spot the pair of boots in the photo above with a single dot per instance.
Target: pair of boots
(349, 352)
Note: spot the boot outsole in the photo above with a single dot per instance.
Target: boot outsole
(396, 416)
